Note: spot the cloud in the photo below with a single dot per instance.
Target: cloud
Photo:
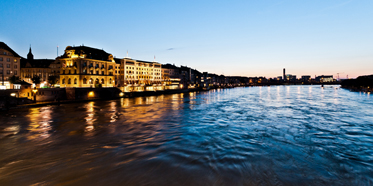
(171, 49)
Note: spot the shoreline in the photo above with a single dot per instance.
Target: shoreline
(137, 94)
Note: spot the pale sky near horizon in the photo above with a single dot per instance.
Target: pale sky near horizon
(237, 38)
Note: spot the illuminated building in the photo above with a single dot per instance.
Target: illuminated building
(140, 75)
(324, 79)
(87, 67)
(171, 76)
(42, 68)
(9, 65)
(306, 78)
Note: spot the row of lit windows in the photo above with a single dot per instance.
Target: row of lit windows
(9, 72)
(142, 77)
(143, 73)
(85, 81)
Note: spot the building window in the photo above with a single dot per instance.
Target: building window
(74, 71)
(15, 72)
(69, 71)
(69, 81)
(8, 59)
(110, 81)
(63, 81)
(84, 81)
(97, 73)
(7, 65)
(102, 73)
(8, 72)
(102, 81)
(1, 65)
(91, 81)
(1, 58)
(15, 66)
(75, 81)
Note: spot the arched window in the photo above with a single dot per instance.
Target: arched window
(97, 82)
(84, 81)
(75, 81)
(110, 80)
(69, 81)
(102, 81)
(63, 81)
(91, 81)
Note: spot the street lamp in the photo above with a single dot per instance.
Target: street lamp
(35, 91)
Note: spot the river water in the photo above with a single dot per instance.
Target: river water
(278, 135)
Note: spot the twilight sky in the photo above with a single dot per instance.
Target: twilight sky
(243, 38)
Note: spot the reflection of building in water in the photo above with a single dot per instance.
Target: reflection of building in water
(90, 118)
(40, 119)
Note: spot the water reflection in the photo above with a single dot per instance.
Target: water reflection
(283, 135)
(39, 126)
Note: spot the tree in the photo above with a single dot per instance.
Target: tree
(52, 79)
(14, 79)
(36, 80)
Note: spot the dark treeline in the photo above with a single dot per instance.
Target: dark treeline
(361, 83)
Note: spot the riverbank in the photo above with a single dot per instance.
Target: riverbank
(124, 95)
(80, 95)
(360, 84)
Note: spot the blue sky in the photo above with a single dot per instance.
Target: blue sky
(247, 38)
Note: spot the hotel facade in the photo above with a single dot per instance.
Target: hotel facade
(9, 65)
(140, 75)
(87, 67)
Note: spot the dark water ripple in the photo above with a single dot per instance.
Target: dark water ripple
(285, 135)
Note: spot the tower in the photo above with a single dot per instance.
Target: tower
(283, 74)
(30, 56)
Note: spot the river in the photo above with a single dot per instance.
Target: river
(277, 135)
